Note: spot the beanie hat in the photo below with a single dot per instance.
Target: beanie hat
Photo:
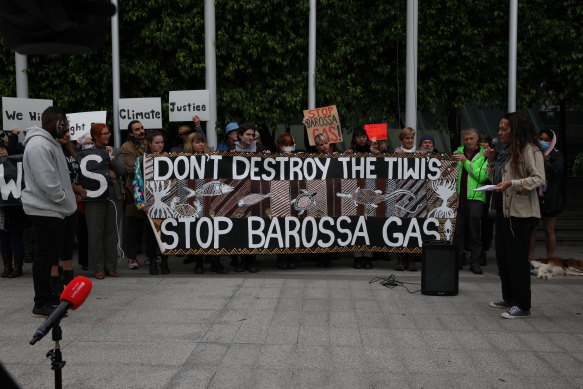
(427, 137)
(231, 127)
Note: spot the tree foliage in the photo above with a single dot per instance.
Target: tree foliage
(262, 57)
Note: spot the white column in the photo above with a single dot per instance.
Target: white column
(210, 60)
(115, 73)
(21, 65)
(512, 49)
(411, 78)
(312, 57)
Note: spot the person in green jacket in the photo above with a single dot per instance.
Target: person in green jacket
(472, 174)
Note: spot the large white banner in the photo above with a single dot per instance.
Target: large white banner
(80, 122)
(184, 104)
(22, 113)
(148, 110)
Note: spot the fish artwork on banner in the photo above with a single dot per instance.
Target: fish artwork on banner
(229, 203)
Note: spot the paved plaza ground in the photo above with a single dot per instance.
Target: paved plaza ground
(303, 328)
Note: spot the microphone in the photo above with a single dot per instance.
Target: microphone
(495, 141)
(72, 297)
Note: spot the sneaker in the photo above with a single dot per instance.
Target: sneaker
(133, 264)
(515, 313)
(42, 312)
(500, 304)
(147, 261)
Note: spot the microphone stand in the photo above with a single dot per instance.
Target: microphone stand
(56, 357)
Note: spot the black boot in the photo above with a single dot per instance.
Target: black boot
(483, 260)
(153, 267)
(400, 266)
(357, 263)
(291, 261)
(367, 263)
(281, 261)
(243, 262)
(198, 264)
(67, 276)
(164, 265)
(217, 266)
(7, 266)
(56, 285)
(252, 264)
(234, 260)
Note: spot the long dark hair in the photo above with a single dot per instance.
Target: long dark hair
(150, 138)
(69, 148)
(522, 132)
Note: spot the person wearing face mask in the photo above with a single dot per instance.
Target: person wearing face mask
(47, 199)
(549, 195)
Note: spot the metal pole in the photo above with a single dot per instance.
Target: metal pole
(21, 64)
(312, 57)
(115, 74)
(512, 49)
(211, 70)
(411, 84)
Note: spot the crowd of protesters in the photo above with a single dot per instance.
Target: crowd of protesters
(59, 214)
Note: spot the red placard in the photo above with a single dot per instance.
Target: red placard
(376, 131)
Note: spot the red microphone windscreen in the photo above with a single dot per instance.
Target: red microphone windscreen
(77, 291)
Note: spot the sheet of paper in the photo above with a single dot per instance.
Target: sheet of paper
(485, 188)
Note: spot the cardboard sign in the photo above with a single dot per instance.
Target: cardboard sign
(223, 204)
(11, 180)
(94, 166)
(147, 110)
(80, 122)
(22, 113)
(323, 120)
(184, 104)
(376, 131)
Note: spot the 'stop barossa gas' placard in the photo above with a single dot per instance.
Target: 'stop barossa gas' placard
(245, 204)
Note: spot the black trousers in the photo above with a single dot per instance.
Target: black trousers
(48, 234)
(135, 229)
(512, 247)
(468, 228)
(82, 240)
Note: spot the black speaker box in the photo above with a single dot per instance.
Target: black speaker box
(439, 271)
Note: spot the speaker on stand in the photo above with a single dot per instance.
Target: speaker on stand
(439, 270)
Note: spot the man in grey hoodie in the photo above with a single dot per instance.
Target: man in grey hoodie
(47, 198)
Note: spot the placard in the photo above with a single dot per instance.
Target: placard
(22, 113)
(148, 110)
(323, 120)
(376, 131)
(224, 204)
(11, 180)
(184, 104)
(80, 122)
(93, 164)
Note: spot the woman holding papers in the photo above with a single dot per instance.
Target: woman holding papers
(517, 171)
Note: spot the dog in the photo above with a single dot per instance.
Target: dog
(547, 268)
